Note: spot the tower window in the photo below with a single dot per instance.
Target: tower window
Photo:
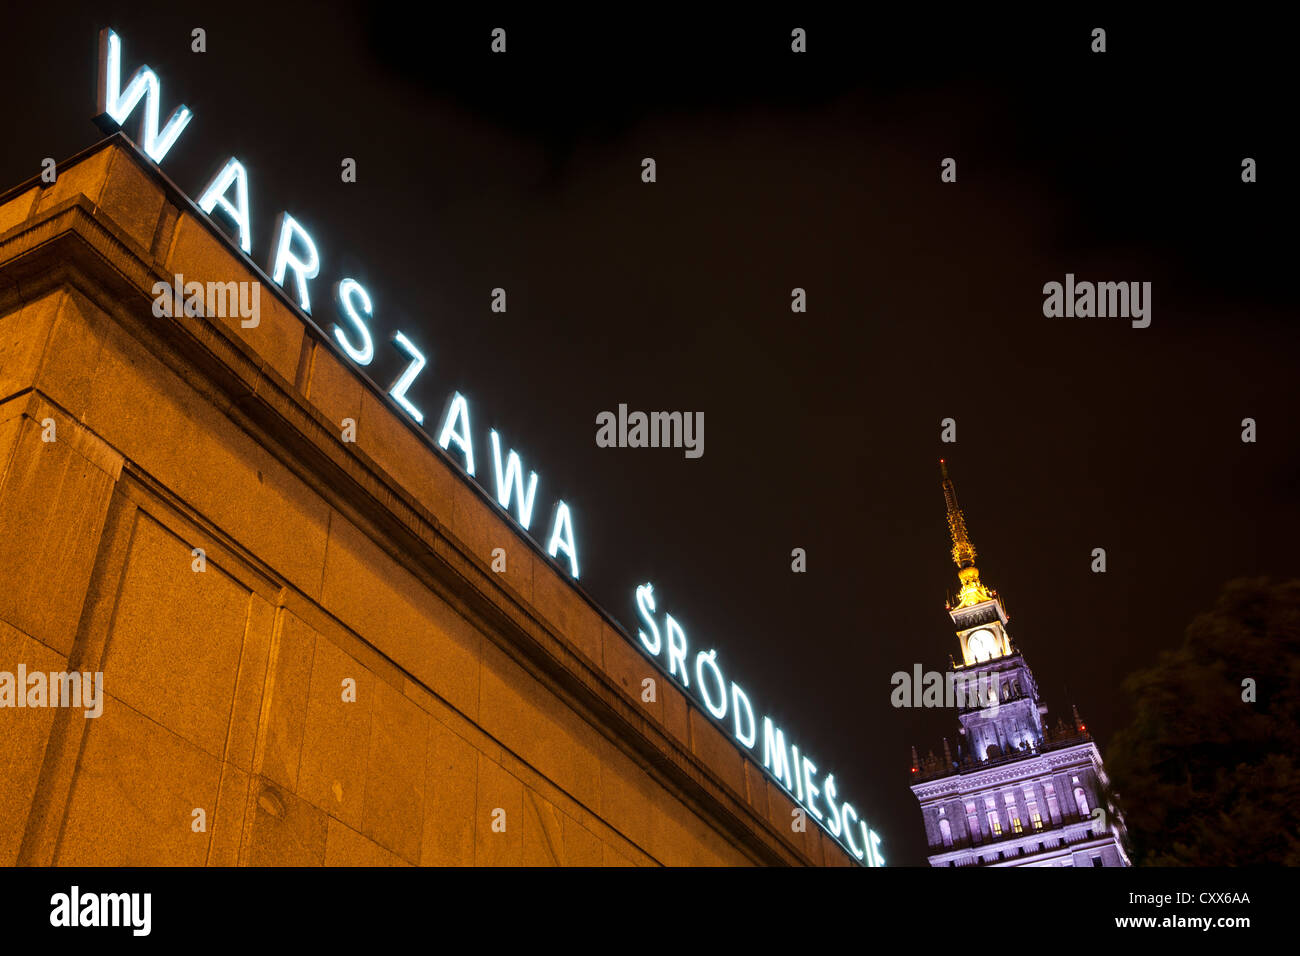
(1012, 813)
(1031, 805)
(945, 832)
(1096, 861)
(995, 825)
(1082, 800)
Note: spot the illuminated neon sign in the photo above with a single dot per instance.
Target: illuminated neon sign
(295, 261)
(730, 706)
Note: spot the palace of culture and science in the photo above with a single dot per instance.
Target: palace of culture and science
(1016, 791)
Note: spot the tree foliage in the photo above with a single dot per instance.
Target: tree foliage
(1206, 778)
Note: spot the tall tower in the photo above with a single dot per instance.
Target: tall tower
(1018, 792)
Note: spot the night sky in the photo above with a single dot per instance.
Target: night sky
(778, 170)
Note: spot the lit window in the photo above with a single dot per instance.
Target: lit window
(1015, 825)
(1037, 819)
(995, 825)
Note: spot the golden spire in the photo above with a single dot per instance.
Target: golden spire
(963, 551)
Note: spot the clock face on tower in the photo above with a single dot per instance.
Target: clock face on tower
(981, 645)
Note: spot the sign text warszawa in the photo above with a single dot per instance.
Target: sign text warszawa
(295, 262)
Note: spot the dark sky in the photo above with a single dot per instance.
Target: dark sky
(822, 429)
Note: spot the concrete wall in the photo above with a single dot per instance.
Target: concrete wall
(476, 691)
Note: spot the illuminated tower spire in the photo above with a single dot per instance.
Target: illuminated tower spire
(1006, 795)
(963, 551)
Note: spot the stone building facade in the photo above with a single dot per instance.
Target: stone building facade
(178, 513)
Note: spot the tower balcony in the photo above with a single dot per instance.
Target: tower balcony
(1019, 848)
